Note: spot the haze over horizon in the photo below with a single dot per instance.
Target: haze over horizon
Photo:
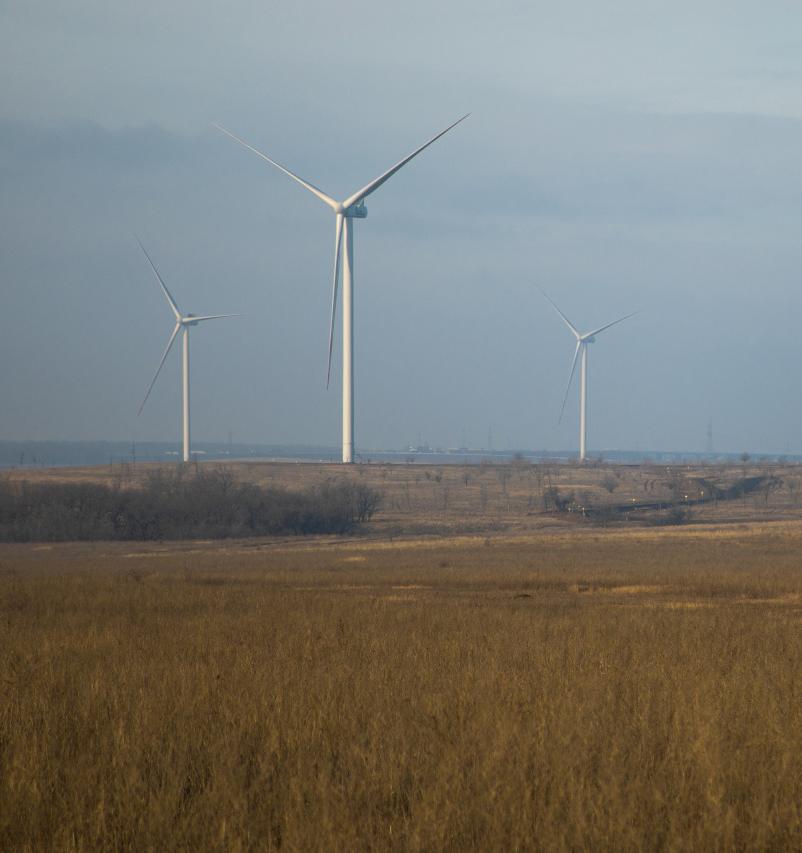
(642, 157)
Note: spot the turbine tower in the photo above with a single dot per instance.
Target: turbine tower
(182, 324)
(345, 211)
(581, 352)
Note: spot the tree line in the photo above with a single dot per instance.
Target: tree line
(179, 504)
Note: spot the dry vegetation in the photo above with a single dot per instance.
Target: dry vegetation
(514, 496)
(178, 503)
(582, 689)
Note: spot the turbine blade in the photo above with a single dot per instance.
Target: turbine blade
(377, 182)
(211, 317)
(338, 233)
(161, 364)
(619, 320)
(167, 294)
(567, 322)
(570, 379)
(311, 187)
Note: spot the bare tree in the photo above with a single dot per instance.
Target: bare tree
(503, 473)
(609, 482)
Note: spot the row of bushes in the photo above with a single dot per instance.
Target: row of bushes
(178, 504)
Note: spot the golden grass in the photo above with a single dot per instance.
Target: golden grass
(605, 690)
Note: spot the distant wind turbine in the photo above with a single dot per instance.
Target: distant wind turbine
(352, 208)
(182, 322)
(582, 342)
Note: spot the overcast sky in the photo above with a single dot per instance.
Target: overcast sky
(622, 156)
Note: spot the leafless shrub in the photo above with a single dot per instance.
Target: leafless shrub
(609, 482)
(553, 498)
(179, 504)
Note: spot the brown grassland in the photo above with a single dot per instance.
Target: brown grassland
(470, 673)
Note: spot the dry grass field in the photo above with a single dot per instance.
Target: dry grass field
(542, 684)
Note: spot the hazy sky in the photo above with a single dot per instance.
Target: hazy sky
(623, 156)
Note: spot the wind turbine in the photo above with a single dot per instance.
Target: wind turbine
(182, 324)
(582, 342)
(352, 207)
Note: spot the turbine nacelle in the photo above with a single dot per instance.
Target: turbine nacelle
(356, 211)
(189, 320)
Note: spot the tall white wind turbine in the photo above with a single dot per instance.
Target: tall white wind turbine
(182, 324)
(352, 207)
(581, 352)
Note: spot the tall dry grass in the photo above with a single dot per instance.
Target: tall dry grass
(646, 694)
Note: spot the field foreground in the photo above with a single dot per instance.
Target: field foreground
(607, 689)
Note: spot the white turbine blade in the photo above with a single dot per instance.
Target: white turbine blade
(211, 317)
(570, 379)
(568, 323)
(338, 233)
(161, 282)
(377, 182)
(161, 364)
(619, 320)
(311, 187)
